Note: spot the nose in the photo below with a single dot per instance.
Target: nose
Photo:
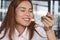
(27, 13)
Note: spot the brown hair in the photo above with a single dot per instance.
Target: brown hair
(9, 21)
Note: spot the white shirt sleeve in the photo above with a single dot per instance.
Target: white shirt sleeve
(41, 32)
(5, 38)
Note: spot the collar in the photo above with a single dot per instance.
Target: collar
(24, 35)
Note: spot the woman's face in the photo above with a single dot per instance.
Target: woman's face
(24, 13)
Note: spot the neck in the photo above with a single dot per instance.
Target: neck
(20, 29)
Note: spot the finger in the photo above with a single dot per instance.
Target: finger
(50, 16)
(45, 24)
(50, 24)
(48, 19)
(48, 13)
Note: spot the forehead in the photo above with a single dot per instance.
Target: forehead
(25, 4)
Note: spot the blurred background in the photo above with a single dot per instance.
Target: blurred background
(40, 7)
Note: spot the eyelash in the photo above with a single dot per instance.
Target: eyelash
(31, 11)
(24, 10)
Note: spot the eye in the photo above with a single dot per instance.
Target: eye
(22, 10)
(31, 11)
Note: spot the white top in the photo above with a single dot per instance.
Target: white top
(25, 35)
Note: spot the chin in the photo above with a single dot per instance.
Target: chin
(26, 24)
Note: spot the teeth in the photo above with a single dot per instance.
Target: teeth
(26, 19)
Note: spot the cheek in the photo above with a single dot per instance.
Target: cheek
(32, 15)
(18, 17)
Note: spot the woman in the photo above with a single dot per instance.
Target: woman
(17, 24)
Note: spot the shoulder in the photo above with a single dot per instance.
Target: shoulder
(41, 32)
(6, 36)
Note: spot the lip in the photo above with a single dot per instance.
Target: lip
(26, 19)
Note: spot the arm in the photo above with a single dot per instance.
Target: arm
(51, 35)
(48, 22)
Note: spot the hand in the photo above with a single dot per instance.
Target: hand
(48, 21)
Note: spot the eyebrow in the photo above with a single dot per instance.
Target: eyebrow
(24, 8)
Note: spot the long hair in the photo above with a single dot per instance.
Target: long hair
(9, 21)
